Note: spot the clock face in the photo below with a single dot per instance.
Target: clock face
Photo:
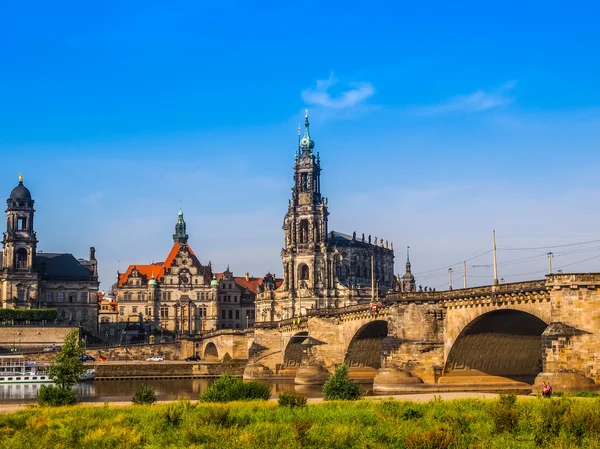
(183, 279)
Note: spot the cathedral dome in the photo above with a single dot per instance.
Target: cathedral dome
(214, 282)
(306, 142)
(20, 192)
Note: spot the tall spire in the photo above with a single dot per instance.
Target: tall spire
(180, 235)
(407, 259)
(306, 143)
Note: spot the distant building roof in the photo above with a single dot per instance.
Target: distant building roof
(62, 267)
(251, 283)
(158, 269)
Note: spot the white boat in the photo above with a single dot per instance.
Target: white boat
(88, 376)
(14, 369)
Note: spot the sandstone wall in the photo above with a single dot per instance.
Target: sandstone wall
(28, 338)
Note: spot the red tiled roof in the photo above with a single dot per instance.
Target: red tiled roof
(158, 269)
(251, 283)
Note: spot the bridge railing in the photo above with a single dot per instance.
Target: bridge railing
(513, 287)
(320, 313)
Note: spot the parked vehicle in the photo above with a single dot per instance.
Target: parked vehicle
(52, 348)
(156, 358)
(193, 358)
(87, 358)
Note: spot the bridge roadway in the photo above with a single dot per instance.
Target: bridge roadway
(507, 334)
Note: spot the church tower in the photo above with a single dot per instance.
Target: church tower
(306, 269)
(180, 235)
(19, 250)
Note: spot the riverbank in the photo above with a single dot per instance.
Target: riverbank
(377, 423)
(14, 407)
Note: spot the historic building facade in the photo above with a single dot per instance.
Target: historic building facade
(31, 279)
(182, 296)
(322, 269)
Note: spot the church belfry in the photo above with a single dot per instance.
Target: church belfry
(305, 224)
(19, 243)
(180, 235)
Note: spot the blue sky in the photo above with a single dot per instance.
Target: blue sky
(436, 123)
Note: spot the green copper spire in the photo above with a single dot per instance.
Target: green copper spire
(306, 143)
(180, 235)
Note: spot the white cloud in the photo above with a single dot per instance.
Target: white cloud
(356, 93)
(477, 101)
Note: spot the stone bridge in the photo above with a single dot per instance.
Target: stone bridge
(220, 345)
(492, 337)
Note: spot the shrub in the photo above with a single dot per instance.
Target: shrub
(430, 439)
(411, 412)
(219, 416)
(144, 396)
(340, 387)
(174, 414)
(586, 394)
(505, 414)
(28, 314)
(228, 388)
(549, 421)
(53, 396)
(302, 427)
(291, 400)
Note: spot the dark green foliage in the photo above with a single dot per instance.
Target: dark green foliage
(430, 439)
(505, 414)
(301, 428)
(67, 367)
(228, 388)
(291, 400)
(218, 416)
(546, 426)
(585, 394)
(28, 314)
(340, 387)
(144, 395)
(53, 396)
(411, 412)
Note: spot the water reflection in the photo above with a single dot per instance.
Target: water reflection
(122, 390)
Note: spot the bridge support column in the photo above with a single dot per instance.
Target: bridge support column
(311, 375)
(255, 370)
(388, 380)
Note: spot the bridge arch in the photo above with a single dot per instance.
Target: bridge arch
(505, 343)
(459, 317)
(292, 355)
(364, 350)
(211, 352)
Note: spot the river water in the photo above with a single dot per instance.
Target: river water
(165, 389)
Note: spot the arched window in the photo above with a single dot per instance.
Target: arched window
(304, 273)
(21, 259)
(304, 231)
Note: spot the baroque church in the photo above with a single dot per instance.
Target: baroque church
(31, 279)
(322, 268)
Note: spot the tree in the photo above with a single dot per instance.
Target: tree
(340, 387)
(67, 367)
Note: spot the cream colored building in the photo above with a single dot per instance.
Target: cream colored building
(179, 295)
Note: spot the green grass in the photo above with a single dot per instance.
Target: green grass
(498, 424)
